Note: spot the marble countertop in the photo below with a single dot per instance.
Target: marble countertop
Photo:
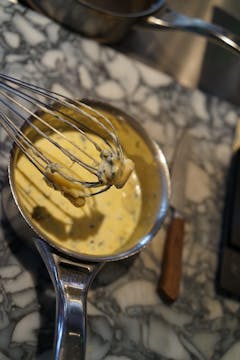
(127, 319)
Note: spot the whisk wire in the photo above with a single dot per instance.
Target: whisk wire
(65, 101)
(35, 102)
(21, 140)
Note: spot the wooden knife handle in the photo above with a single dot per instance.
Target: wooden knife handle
(169, 282)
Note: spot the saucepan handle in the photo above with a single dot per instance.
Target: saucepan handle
(171, 20)
(71, 281)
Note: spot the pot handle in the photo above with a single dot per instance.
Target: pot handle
(171, 20)
(71, 281)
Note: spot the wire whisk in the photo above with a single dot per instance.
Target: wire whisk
(46, 113)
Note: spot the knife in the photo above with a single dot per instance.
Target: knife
(229, 265)
(169, 283)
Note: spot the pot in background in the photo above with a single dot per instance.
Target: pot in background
(109, 21)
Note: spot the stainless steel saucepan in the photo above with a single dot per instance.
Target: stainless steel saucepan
(108, 21)
(72, 272)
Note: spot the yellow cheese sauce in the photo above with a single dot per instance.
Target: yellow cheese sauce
(101, 226)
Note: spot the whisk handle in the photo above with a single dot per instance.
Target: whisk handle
(71, 281)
